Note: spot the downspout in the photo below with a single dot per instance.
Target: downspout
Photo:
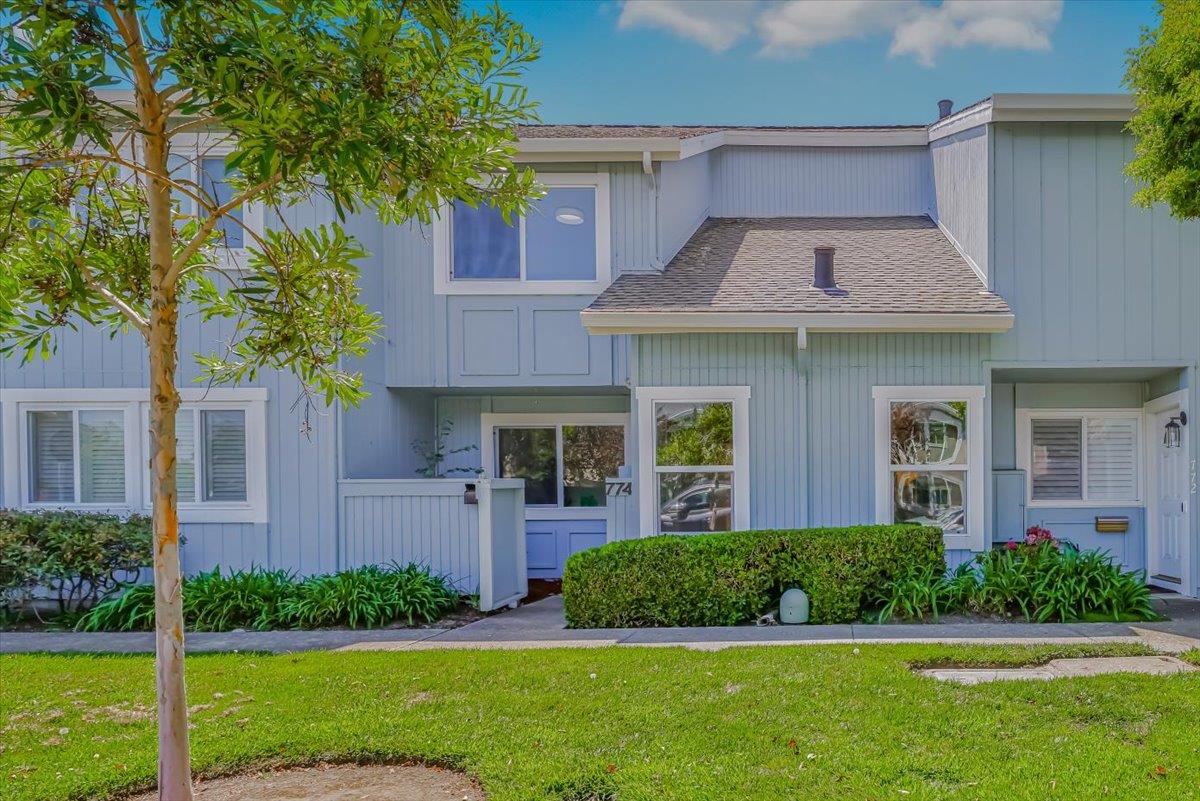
(648, 168)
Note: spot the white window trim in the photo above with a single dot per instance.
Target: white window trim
(647, 488)
(976, 471)
(1025, 454)
(443, 259)
(489, 422)
(198, 146)
(14, 433)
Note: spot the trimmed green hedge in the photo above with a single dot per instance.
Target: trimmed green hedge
(726, 579)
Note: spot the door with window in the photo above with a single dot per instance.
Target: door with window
(564, 461)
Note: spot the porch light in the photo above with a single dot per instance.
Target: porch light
(1173, 435)
(568, 216)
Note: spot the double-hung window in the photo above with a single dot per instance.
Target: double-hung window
(561, 246)
(90, 449)
(1075, 457)
(693, 459)
(564, 459)
(929, 460)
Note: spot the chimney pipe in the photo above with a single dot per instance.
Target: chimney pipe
(823, 268)
(944, 108)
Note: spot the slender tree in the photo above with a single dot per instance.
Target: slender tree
(108, 217)
(1164, 74)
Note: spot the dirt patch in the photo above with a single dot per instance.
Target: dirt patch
(340, 783)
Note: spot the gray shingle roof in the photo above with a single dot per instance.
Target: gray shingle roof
(678, 131)
(882, 265)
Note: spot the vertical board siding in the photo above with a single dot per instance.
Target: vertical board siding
(842, 370)
(821, 181)
(685, 199)
(230, 546)
(960, 181)
(1090, 276)
(437, 531)
(767, 364)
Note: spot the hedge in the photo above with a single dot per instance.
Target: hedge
(727, 579)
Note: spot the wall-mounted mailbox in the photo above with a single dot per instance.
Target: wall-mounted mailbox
(1112, 525)
(469, 496)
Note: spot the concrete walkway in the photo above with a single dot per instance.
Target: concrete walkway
(541, 625)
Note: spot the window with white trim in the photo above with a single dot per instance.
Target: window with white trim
(561, 246)
(564, 459)
(90, 449)
(1078, 457)
(693, 459)
(198, 164)
(929, 459)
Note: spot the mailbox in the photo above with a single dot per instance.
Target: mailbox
(1112, 525)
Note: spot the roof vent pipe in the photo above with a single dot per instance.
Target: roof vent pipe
(944, 108)
(823, 268)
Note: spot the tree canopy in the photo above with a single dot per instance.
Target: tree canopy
(1164, 74)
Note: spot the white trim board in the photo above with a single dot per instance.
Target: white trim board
(978, 470)
(645, 398)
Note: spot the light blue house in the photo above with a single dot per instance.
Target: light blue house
(700, 329)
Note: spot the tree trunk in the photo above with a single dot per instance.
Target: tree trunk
(174, 763)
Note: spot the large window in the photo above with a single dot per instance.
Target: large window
(564, 459)
(929, 459)
(75, 448)
(693, 466)
(198, 165)
(1080, 458)
(560, 247)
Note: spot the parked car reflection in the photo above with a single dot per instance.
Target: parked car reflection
(704, 505)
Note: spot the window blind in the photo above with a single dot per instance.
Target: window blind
(185, 455)
(224, 462)
(102, 456)
(1112, 463)
(1057, 467)
(51, 457)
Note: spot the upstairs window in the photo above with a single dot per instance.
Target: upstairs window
(560, 247)
(199, 165)
(1080, 458)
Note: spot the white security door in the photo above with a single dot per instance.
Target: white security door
(1169, 527)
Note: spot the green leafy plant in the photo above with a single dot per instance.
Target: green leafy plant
(275, 599)
(726, 579)
(434, 452)
(369, 597)
(76, 556)
(924, 591)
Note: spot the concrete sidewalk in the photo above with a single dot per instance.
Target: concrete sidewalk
(541, 625)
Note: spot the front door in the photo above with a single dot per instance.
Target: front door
(1169, 514)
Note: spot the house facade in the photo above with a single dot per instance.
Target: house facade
(702, 329)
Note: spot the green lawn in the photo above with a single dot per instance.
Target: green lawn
(649, 723)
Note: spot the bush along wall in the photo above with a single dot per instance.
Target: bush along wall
(727, 579)
(365, 597)
(75, 557)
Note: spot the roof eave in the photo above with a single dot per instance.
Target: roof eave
(599, 322)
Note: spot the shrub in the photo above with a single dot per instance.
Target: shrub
(77, 556)
(1041, 579)
(726, 579)
(267, 599)
(369, 597)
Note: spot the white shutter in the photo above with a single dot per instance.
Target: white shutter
(1112, 463)
(1056, 464)
(185, 455)
(51, 457)
(102, 456)
(224, 461)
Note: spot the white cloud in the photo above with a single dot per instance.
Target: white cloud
(716, 24)
(794, 27)
(1000, 24)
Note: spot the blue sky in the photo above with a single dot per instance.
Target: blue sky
(813, 62)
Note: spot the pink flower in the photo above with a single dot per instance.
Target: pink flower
(1036, 535)
(1011, 545)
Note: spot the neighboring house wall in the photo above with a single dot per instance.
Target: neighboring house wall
(960, 180)
(821, 181)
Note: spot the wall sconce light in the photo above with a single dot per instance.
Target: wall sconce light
(1173, 435)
